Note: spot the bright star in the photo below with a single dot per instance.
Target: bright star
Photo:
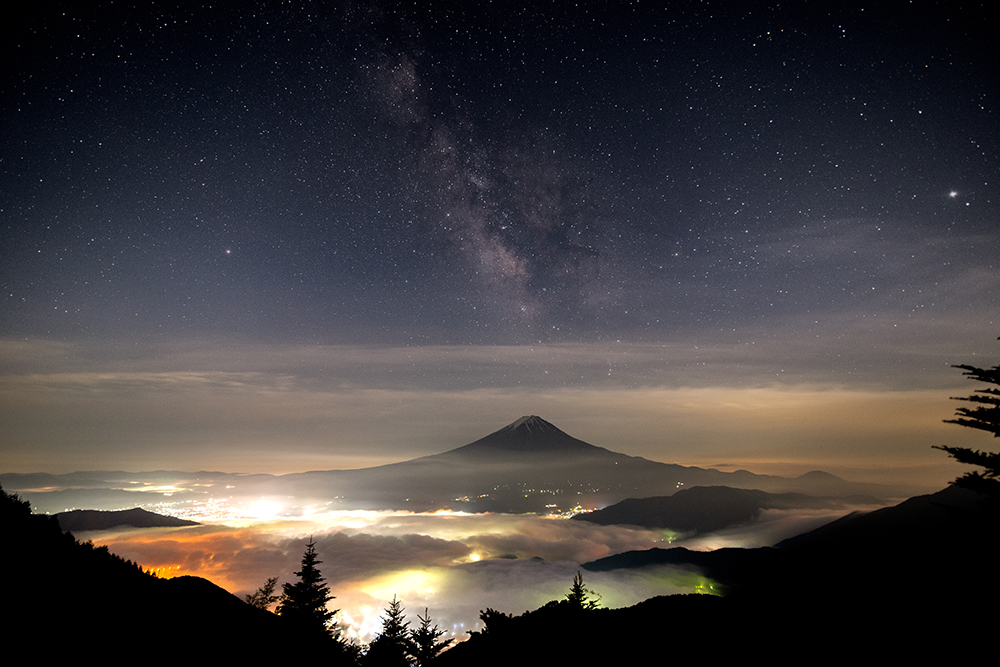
(952, 194)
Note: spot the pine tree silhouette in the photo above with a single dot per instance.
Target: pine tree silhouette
(305, 601)
(264, 596)
(579, 596)
(426, 640)
(392, 647)
(985, 417)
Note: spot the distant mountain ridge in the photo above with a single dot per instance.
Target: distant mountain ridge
(529, 465)
(702, 509)
(81, 520)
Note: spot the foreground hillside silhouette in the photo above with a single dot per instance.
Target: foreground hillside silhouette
(902, 583)
(66, 599)
(887, 585)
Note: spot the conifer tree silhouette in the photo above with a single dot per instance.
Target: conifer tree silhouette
(305, 601)
(985, 417)
(579, 596)
(264, 596)
(392, 647)
(426, 641)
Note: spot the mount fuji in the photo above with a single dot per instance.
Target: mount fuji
(531, 465)
(528, 466)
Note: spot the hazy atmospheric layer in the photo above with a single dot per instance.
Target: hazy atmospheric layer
(786, 406)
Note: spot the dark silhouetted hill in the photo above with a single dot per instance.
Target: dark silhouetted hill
(926, 531)
(659, 630)
(899, 585)
(82, 520)
(925, 562)
(65, 599)
(703, 509)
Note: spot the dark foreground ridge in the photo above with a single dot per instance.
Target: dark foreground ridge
(862, 587)
(896, 585)
(65, 598)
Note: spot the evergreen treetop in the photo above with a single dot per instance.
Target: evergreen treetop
(985, 416)
(305, 601)
(579, 596)
(392, 647)
(264, 596)
(426, 641)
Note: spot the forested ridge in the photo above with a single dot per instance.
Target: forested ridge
(863, 584)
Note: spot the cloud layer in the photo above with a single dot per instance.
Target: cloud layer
(456, 565)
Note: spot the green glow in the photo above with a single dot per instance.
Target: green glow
(668, 535)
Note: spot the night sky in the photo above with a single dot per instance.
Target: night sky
(278, 236)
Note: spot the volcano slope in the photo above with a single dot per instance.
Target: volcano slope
(533, 466)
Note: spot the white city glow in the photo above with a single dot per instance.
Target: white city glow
(453, 563)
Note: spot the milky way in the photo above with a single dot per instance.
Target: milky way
(792, 195)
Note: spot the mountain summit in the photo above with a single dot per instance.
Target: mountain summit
(529, 435)
(530, 423)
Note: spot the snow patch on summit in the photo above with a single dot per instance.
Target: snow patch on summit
(531, 423)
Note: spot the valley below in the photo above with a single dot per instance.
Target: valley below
(484, 525)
